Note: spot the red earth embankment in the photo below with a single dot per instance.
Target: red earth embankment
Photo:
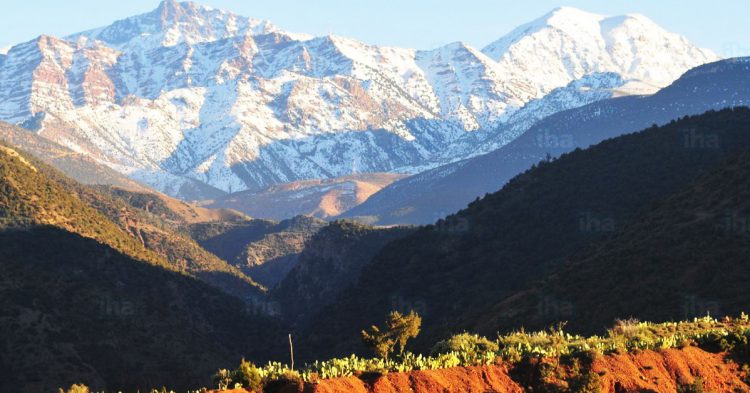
(458, 379)
(642, 371)
(664, 371)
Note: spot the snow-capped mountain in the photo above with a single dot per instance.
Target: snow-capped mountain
(568, 43)
(197, 101)
(590, 88)
(436, 193)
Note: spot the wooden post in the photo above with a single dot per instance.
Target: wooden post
(291, 350)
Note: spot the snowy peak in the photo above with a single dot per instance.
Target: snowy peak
(173, 23)
(568, 43)
(569, 19)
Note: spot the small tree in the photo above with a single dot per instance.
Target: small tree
(398, 330)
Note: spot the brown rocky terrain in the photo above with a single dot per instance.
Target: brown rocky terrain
(320, 198)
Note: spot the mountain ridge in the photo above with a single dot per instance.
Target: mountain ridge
(198, 102)
(435, 193)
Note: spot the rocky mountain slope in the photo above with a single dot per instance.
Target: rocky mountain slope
(197, 102)
(77, 166)
(455, 270)
(154, 225)
(262, 249)
(433, 194)
(332, 260)
(322, 198)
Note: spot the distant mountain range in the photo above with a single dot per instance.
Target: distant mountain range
(199, 102)
(435, 193)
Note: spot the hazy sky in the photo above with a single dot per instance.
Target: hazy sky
(721, 25)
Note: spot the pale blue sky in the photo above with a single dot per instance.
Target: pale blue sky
(721, 25)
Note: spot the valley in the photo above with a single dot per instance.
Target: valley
(192, 200)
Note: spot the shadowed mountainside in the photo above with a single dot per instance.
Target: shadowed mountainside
(684, 258)
(332, 259)
(84, 300)
(453, 272)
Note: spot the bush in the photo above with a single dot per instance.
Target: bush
(249, 376)
(76, 388)
(464, 342)
(223, 379)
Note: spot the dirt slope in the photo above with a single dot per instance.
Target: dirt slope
(642, 371)
(458, 379)
(665, 370)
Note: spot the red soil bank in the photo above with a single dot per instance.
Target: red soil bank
(642, 371)
(665, 370)
(458, 379)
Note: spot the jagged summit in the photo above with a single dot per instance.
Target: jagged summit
(175, 22)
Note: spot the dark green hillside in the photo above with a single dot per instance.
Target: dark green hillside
(36, 193)
(457, 269)
(227, 239)
(331, 260)
(152, 222)
(72, 309)
(33, 194)
(687, 257)
(80, 299)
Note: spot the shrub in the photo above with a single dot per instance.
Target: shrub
(223, 379)
(76, 388)
(249, 376)
(464, 342)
